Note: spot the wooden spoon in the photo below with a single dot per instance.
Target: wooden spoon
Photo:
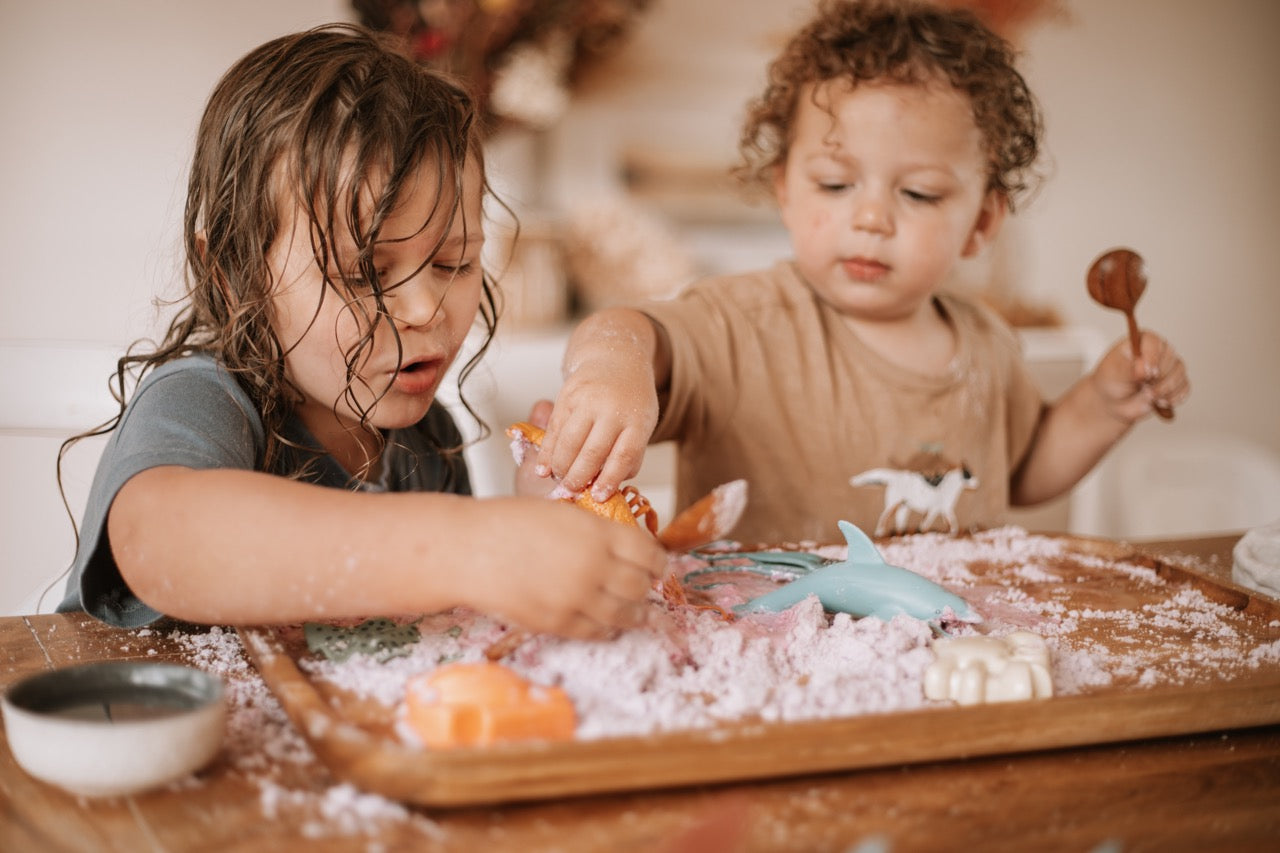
(1117, 280)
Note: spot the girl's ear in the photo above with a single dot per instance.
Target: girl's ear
(987, 225)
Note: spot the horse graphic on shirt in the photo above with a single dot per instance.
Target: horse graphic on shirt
(908, 491)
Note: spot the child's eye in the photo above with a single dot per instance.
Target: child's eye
(356, 282)
(922, 197)
(461, 268)
(349, 279)
(832, 186)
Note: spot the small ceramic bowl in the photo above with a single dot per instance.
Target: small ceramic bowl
(105, 729)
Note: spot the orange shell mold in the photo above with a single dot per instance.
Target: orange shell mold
(478, 704)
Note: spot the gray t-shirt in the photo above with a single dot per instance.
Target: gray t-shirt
(191, 412)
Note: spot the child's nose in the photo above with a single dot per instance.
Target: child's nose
(872, 213)
(417, 303)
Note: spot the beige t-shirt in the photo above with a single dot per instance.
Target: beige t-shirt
(768, 383)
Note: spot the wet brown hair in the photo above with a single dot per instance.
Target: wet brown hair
(335, 121)
(914, 43)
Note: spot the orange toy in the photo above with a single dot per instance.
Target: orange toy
(478, 704)
(625, 505)
(705, 521)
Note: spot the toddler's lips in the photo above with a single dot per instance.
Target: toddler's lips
(418, 377)
(864, 269)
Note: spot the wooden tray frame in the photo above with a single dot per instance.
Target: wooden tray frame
(735, 752)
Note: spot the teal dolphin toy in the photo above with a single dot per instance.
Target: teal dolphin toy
(863, 584)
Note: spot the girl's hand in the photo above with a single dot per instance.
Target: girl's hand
(600, 426)
(559, 569)
(1130, 386)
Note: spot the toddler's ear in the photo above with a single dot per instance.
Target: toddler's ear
(987, 225)
(778, 179)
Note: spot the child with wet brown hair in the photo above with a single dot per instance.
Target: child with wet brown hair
(284, 456)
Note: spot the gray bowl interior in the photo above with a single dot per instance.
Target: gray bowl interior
(116, 691)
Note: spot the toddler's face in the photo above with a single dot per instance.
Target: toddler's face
(432, 308)
(883, 190)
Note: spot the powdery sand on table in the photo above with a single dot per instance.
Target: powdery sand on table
(1107, 623)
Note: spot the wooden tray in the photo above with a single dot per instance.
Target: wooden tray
(355, 740)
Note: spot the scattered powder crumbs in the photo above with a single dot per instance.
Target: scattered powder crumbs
(1034, 573)
(342, 810)
(1109, 624)
(1268, 653)
(262, 746)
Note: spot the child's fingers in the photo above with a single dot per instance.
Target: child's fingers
(1161, 372)
(634, 561)
(540, 413)
(631, 583)
(637, 564)
(527, 481)
(599, 616)
(639, 552)
(622, 463)
(611, 612)
(1155, 358)
(1141, 366)
(1173, 387)
(581, 466)
(1136, 384)
(564, 436)
(579, 626)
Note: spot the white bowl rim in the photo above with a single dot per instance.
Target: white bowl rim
(41, 694)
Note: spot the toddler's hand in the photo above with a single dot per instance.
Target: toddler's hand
(559, 569)
(1130, 386)
(600, 426)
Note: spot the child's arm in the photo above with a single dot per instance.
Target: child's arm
(1078, 430)
(237, 547)
(616, 363)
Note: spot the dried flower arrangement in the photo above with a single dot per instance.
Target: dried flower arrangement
(521, 57)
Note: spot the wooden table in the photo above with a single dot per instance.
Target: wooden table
(1217, 791)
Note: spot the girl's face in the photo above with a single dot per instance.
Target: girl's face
(432, 308)
(884, 188)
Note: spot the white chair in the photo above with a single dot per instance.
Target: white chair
(1169, 481)
(50, 391)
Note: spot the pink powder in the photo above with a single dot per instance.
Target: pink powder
(689, 669)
